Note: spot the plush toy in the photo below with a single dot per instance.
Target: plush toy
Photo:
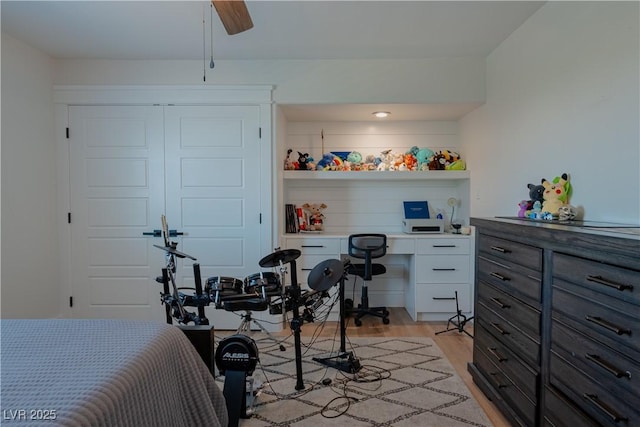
(288, 164)
(315, 216)
(302, 161)
(327, 162)
(354, 157)
(410, 161)
(555, 194)
(535, 193)
(422, 156)
(524, 205)
(458, 165)
(441, 159)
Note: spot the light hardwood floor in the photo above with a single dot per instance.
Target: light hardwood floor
(457, 346)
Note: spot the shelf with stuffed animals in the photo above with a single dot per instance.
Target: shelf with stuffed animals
(415, 164)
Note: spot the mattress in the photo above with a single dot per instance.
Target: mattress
(82, 372)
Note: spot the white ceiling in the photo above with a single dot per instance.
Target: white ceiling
(303, 29)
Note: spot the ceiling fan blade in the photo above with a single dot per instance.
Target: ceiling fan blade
(234, 15)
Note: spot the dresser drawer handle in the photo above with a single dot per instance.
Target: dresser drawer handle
(312, 246)
(497, 327)
(306, 269)
(443, 246)
(443, 269)
(500, 303)
(499, 249)
(495, 374)
(610, 283)
(494, 352)
(608, 411)
(607, 366)
(499, 276)
(443, 298)
(608, 325)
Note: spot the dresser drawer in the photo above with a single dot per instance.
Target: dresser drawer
(619, 322)
(518, 281)
(513, 310)
(523, 406)
(617, 282)
(449, 246)
(442, 269)
(522, 344)
(514, 252)
(594, 399)
(513, 367)
(315, 245)
(615, 371)
(440, 298)
(561, 412)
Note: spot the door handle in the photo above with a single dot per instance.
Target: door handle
(158, 233)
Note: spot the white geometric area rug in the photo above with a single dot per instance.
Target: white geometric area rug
(403, 382)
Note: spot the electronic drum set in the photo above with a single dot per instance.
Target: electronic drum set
(237, 355)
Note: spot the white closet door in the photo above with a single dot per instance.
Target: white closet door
(213, 159)
(116, 194)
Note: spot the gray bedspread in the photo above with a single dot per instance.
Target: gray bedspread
(80, 372)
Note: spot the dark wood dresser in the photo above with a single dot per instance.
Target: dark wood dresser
(557, 322)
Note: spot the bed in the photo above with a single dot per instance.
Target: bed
(81, 372)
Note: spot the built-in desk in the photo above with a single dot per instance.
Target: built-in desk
(423, 270)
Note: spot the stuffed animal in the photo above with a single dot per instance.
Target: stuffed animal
(536, 193)
(354, 157)
(288, 164)
(555, 194)
(315, 216)
(328, 162)
(302, 161)
(422, 156)
(441, 159)
(524, 205)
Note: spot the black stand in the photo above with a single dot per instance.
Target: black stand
(459, 322)
(235, 394)
(343, 360)
(296, 324)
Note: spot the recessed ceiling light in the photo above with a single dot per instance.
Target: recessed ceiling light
(381, 114)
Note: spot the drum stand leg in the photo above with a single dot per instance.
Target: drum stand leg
(459, 320)
(245, 328)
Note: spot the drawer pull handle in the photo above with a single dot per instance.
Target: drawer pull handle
(443, 298)
(494, 352)
(607, 366)
(499, 276)
(312, 246)
(306, 269)
(608, 325)
(610, 283)
(443, 269)
(444, 246)
(500, 303)
(606, 409)
(495, 374)
(497, 327)
(499, 249)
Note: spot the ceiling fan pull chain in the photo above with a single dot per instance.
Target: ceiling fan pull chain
(204, 49)
(211, 64)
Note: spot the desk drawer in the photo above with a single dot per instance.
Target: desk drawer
(448, 246)
(511, 251)
(442, 268)
(315, 245)
(441, 298)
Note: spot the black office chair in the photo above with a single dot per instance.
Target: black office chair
(367, 247)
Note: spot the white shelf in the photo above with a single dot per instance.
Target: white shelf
(377, 175)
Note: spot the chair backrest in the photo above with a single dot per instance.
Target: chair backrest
(367, 246)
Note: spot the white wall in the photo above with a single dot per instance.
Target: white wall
(30, 285)
(562, 96)
(439, 80)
